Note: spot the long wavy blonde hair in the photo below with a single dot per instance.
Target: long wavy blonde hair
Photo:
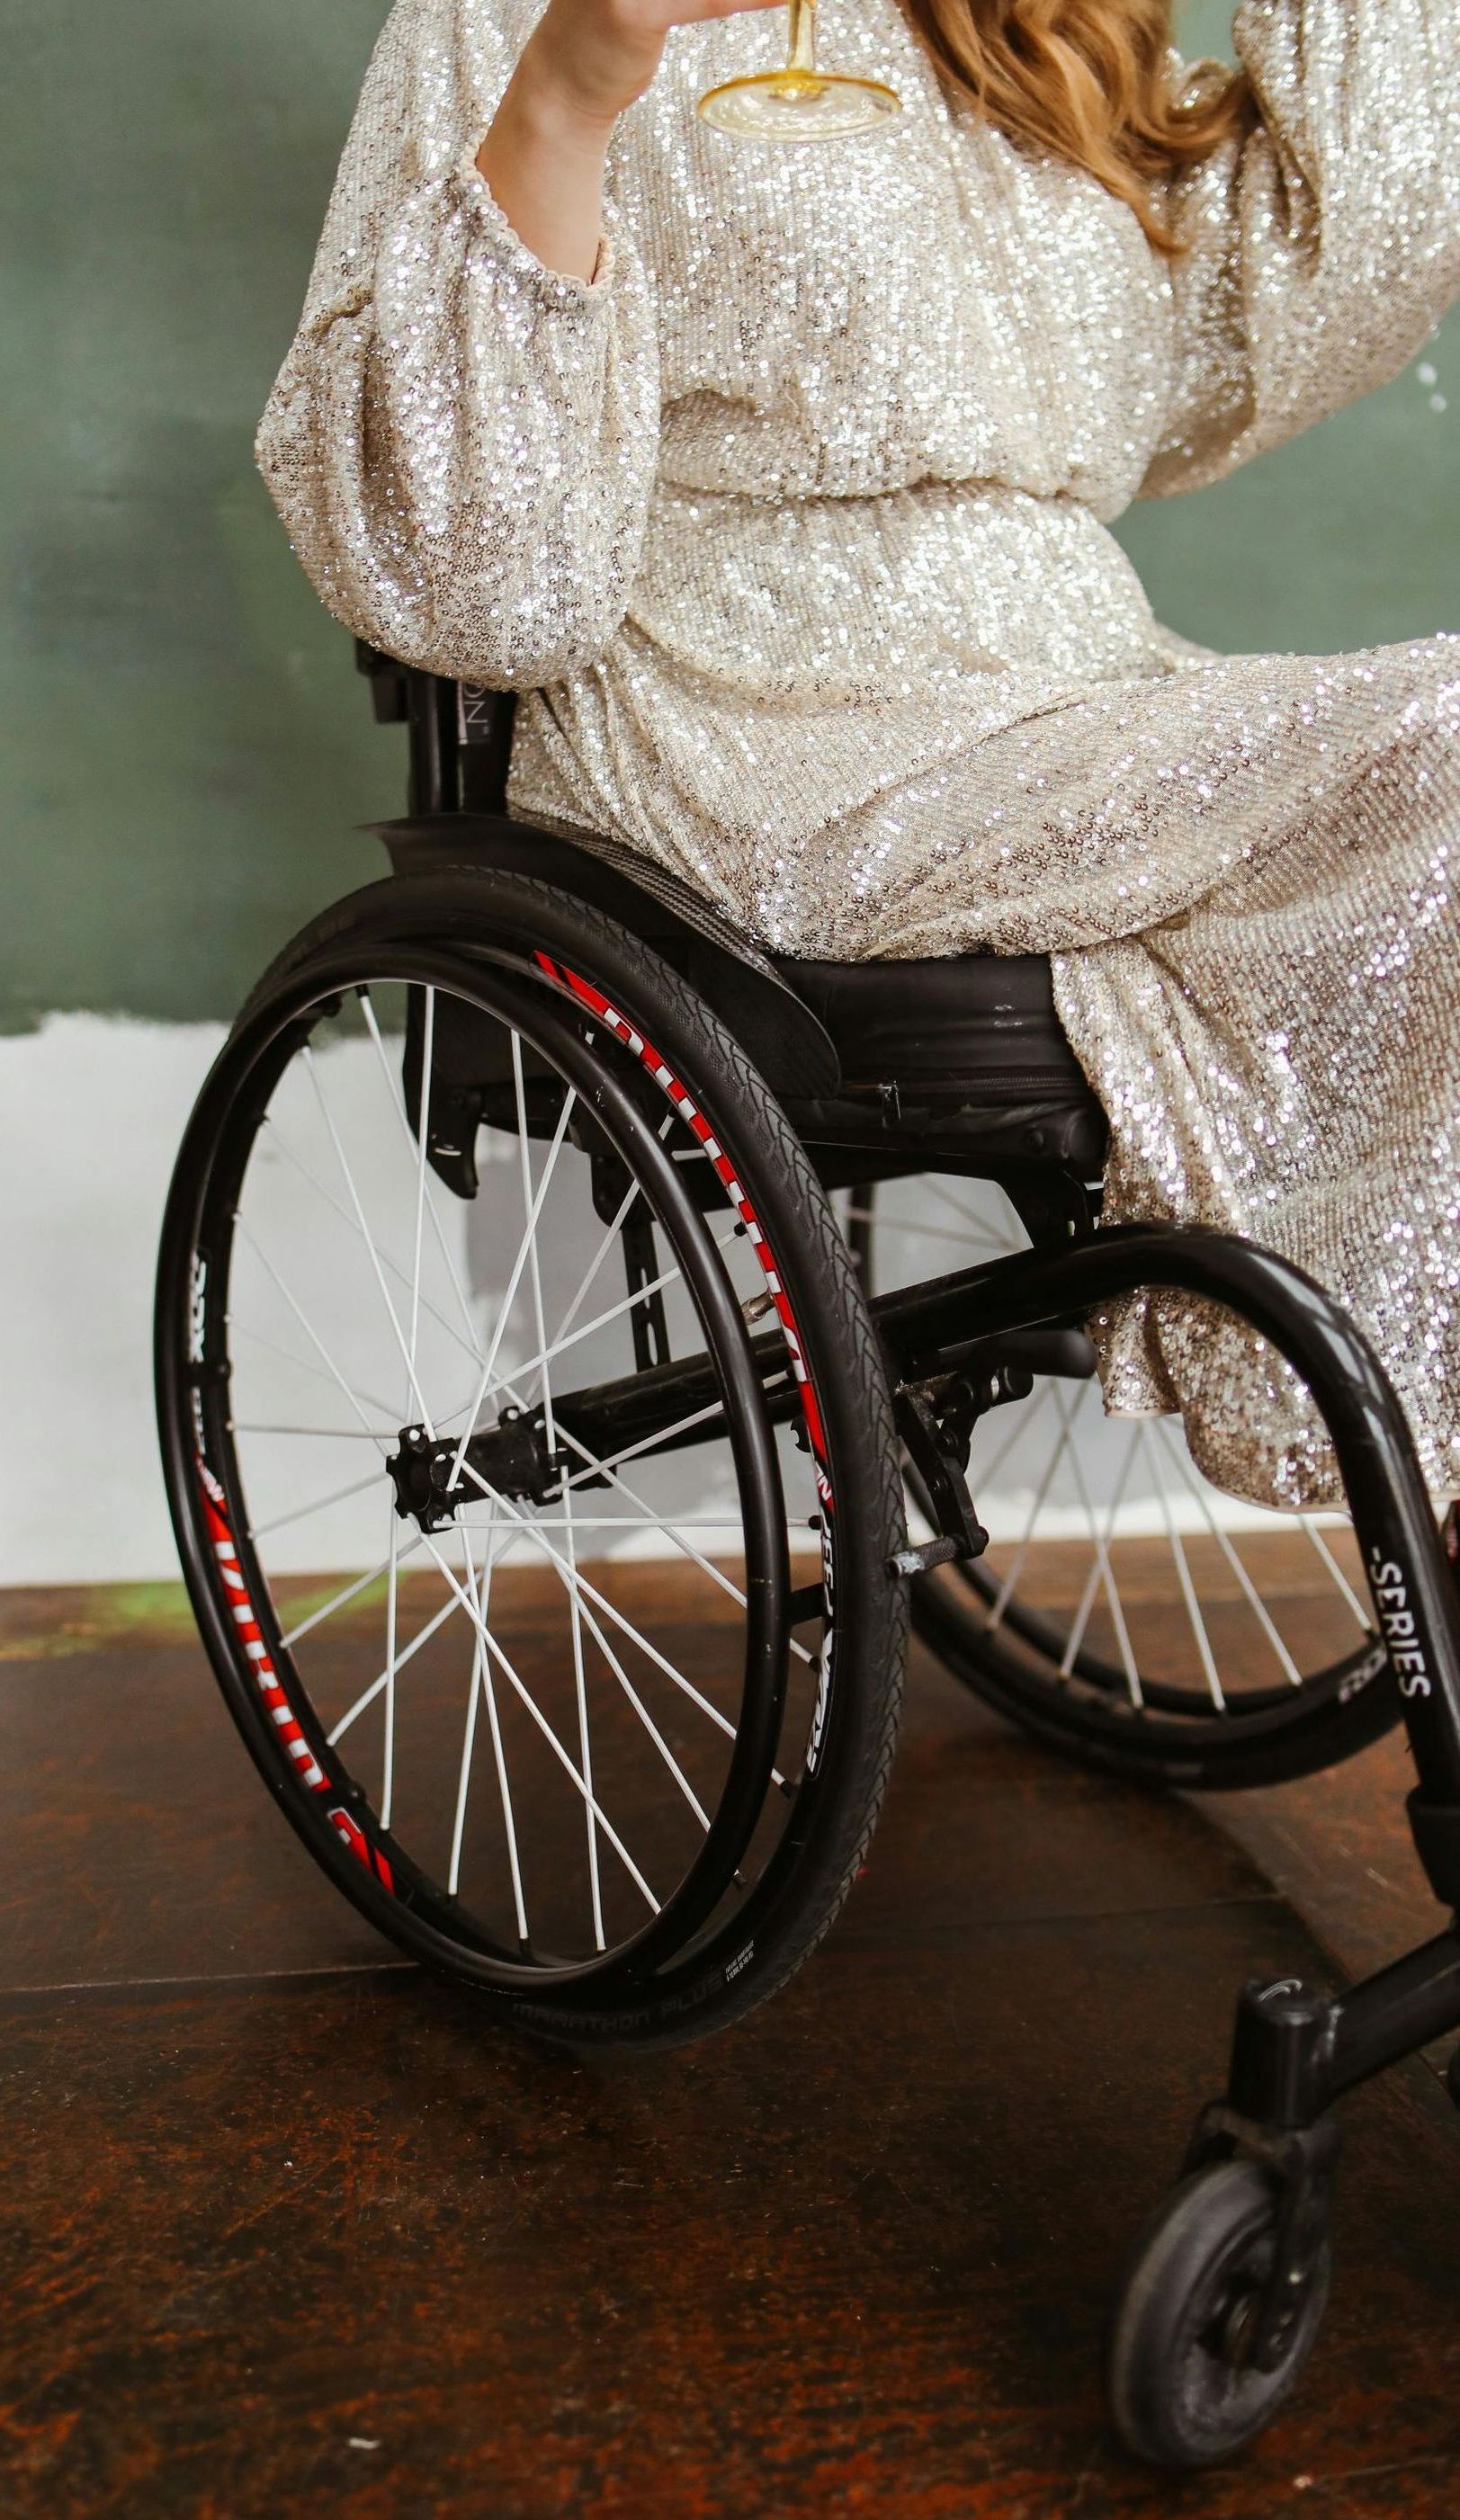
(1087, 80)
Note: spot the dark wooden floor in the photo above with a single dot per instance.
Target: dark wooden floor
(284, 2229)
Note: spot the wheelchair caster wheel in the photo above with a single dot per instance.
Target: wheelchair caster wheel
(1186, 2388)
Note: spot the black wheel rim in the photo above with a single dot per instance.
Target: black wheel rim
(984, 1617)
(549, 1012)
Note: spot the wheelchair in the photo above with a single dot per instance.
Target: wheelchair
(553, 1264)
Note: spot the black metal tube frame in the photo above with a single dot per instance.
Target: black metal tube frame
(1294, 2052)
(940, 1324)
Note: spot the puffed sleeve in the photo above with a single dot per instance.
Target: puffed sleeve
(461, 442)
(1320, 248)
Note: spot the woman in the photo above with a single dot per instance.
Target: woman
(780, 480)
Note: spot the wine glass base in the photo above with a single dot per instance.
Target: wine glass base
(799, 105)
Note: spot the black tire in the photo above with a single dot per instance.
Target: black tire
(1009, 1650)
(1178, 2397)
(587, 1001)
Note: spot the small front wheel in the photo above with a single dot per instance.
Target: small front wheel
(1184, 2391)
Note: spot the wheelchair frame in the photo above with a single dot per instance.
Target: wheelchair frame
(955, 1346)
(1295, 2050)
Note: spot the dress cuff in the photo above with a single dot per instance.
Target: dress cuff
(557, 289)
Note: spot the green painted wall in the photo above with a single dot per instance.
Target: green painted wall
(184, 747)
(187, 747)
(1348, 537)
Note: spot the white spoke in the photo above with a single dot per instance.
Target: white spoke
(483, 1687)
(546, 1730)
(397, 1105)
(300, 1364)
(388, 1771)
(1103, 1555)
(354, 1197)
(546, 1354)
(481, 1588)
(316, 1341)
(567, 1568)
(337, 1601)
(550, 1433)
(575, 1586)
(337, 1206)
(594, 1467)
(427, 1045)
(1188, 1589)
(1093, 1579)
(651, 1521)
(318, 1504)
(527, 1524)
(512, 1283)
(643, 1714)
(1315, 1534)
(615, 1228)
(670, 1530)
(645, 1521)
(407, 1654)
(1006, 1588)
(467, 1746)
(1255, 1599)
(381, 1437)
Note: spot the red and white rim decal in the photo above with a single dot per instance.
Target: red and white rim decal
(664, 1077)
(354, 1837)
(241, 1610)
(303, 1764)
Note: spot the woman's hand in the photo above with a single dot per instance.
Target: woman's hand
(585, 62)
(595, 57)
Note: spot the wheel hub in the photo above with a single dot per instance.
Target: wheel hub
(512, 1459)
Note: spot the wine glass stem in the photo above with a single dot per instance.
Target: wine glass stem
(801, 54)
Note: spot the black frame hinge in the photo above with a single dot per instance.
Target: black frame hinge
(935, 1421)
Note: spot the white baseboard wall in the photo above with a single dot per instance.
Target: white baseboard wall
(91, 1111)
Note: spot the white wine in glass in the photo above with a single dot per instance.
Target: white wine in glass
(800, 102)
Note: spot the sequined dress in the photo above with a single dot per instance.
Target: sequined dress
(792, 526)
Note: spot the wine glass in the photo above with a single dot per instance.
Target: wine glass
(800, 102)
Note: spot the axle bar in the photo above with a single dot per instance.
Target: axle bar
(1028, 1308)
(1416, 1607)
(1015, 1307)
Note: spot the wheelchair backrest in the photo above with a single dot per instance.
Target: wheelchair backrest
(460, 735)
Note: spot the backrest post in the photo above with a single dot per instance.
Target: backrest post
(486, 724)
(435, 768)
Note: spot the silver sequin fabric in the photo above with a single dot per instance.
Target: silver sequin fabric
(792, 526)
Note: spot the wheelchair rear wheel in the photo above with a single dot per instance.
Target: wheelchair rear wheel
(1122, 1612)
(538, 1657)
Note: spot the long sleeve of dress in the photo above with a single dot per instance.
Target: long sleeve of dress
(1322, 247)
(461, 442)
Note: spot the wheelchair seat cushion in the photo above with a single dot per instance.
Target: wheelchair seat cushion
(973, 1040)
(966, 1019)
(963, 1060)
(737, 979)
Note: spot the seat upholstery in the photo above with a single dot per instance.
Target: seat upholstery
(960, 1061)
(780, 1029)
(956, 1064)
(963, 1020)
